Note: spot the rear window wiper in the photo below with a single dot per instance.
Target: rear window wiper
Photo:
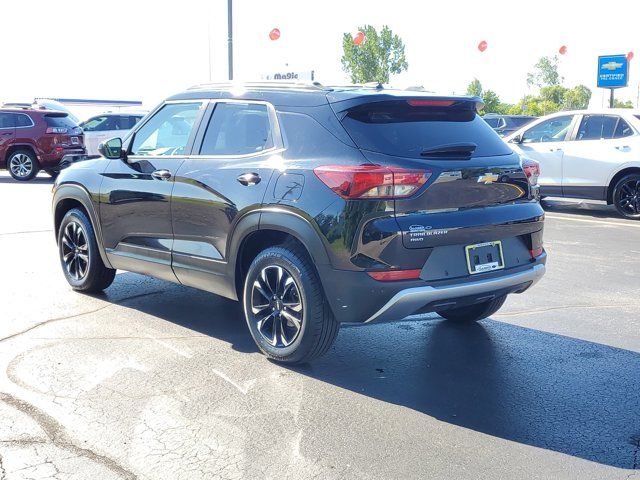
(462, 150)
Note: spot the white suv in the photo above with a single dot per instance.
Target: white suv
(102, 127)
(586, 154)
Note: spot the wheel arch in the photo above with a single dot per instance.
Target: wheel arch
(69, 196)
(618, 175)
(270, 227)
(14, 147)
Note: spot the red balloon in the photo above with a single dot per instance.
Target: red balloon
(630, 56)
(358, 38)
(563, 50)
(482, 46)
(274, 34)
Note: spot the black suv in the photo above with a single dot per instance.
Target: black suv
(312, 206)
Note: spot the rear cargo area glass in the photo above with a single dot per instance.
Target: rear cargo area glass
(400, 129)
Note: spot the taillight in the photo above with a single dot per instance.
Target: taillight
(536, 252)
(395, 275)
(371, 181)
(531, 170)
(57, 130)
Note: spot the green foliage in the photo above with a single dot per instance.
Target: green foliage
(576, 98)
(620, 104)
(545, 73)
(492, 103)
(475, 88)
(375, 59)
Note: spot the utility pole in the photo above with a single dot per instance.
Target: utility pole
(230, 32)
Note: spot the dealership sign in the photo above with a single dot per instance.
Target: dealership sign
(290, 76)
(613, 71)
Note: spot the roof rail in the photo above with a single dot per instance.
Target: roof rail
(266, 84)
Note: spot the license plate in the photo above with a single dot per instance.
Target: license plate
(75, 141)
(484, 257)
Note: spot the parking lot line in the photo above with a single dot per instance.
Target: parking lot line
(601, 222)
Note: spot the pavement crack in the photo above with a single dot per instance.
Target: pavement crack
(68, 317)
(635, 441)
(561, 307)
(56, 433)
(3, 472)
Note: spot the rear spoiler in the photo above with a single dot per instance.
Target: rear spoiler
(341, 101)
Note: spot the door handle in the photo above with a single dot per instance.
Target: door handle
(555, 149)
(624, 148)
(162, 174)
(6, 133)
(249, 179)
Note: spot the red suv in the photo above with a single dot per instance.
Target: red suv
(31, 140)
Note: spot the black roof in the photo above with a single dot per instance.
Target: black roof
(306, 95)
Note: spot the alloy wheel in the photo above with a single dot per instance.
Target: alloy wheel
(629, 197)
(75, 250)
(276, 306)
(21, 165)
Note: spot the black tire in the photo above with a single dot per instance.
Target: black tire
(52, 173)
(318, 327)
(473, 313)
(23, 165)
(88, 275)
(626, 196)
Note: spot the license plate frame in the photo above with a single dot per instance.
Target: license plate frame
(486, 266)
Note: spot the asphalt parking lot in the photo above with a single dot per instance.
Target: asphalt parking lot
(157, 381)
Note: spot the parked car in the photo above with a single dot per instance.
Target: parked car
(312, 206)
(590, 154)
(31, 140)
(507, 124)
(108, 125)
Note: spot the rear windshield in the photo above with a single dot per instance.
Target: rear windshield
(397, 128)
(59, 121)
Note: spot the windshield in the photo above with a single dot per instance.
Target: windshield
(400, 129)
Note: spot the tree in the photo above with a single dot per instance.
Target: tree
(576, 98)
(375, 59)
(492, 103)
(475, 88)
(620, 104)
(545, 73)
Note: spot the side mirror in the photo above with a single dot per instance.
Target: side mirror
(111, 149)
(516, 139)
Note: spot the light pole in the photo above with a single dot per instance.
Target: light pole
(230, 32)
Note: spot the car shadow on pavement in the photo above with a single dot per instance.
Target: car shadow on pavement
(582, 209)
(35, 181)
(540, 389)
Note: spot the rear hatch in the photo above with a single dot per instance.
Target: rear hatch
(476, 191)
(67, 134)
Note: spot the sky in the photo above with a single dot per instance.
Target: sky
(148, 50)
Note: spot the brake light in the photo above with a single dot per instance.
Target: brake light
(536, 252)
(395, 275)
(57, 130)
(430, 103)
(371, 181)
(531, 170)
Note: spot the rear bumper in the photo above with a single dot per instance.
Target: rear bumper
(356, 298)
(409, 301)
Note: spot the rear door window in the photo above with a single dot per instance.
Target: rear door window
(7, 120)
(400, 129)
(622, 129)
(597, 127)
(237, 129)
